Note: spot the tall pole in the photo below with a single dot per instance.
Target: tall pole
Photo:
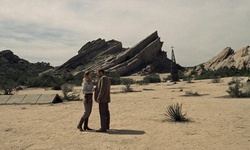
(174, 70)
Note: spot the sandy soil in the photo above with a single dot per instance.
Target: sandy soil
(136, 121)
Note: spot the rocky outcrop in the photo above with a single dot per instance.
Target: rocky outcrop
(12, 64)
(92, 52)
(229, 58)
(143, 58)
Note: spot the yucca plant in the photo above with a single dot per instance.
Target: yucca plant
(174, 113)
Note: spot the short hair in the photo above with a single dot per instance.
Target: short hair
(101, 70)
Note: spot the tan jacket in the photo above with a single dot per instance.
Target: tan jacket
(102, 90)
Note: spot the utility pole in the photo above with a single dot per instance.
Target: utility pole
(174, 70)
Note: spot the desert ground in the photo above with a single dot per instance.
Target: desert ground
(137, 121)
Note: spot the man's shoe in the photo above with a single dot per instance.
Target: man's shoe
(101, 130)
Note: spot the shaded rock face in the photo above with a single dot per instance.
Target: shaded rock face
(12, 64)
(229, 58)
(143, 58)
(91, 53)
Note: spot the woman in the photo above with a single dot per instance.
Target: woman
(87, 90)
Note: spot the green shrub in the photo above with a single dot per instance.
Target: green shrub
(115, 78)
(66, 89)
(174, 113)
(141, 82)
(191, 93)
(152, 78)
(216, 79)
(56, 87)
(127, 88)
(189, 79)
(246, 88)
(168, 78)
(234, 88)
(127, 83)
(7, 86)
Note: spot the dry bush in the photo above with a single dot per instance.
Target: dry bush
(191, 93)
(67, 90)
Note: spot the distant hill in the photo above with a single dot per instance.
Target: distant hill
(228, 58)
(144, 58)
(12, 64)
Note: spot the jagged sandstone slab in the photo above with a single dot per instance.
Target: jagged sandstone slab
(145, 57)
(229, 58)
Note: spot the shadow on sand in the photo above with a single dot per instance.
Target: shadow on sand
(125, 132)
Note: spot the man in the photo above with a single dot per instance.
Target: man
(102, 96)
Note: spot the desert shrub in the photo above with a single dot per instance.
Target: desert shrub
(168, 78)
(222, 72)
(56, 87)
(115, 78)
(7, 86)
(152, 78)
(238, 89)
(73, 97)
(191, 93)
(216, 79)
(188, 79)
(127, 83)
(67, 95)
(127, 88)
(234, 88)
(174, 113)
(45, 80)
(8, 83)
(246, 88)
(141, 82)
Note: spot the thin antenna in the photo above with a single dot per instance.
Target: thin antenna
(174, 70)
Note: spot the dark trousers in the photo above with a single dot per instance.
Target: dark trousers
(104, 115)
(88, 102)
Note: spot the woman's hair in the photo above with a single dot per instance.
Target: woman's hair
(86, 76)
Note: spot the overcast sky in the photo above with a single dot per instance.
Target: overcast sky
(54, 30)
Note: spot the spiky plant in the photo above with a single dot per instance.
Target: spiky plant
(174, 113)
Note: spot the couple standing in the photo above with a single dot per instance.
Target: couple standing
(102, 97)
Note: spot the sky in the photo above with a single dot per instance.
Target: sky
(54, 30)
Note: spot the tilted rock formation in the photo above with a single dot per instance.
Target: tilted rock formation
(229, 58)
(143, 58)
(91, 52)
